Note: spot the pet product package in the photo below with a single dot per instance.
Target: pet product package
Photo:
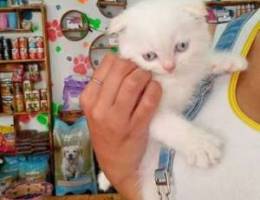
(7, 139)
(73, 86)
(8, 172)
(74, 162)
(23, 169)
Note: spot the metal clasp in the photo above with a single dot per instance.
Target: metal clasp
(163, 175)
(163, 183)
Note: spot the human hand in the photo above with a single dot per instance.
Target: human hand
(119, 110)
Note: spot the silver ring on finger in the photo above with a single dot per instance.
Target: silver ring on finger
(97, 82)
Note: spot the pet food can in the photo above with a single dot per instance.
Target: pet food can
(26, 24)
(39, 42)
(36, 106)
(35, 95)
(43, 94)
(6, 47)
(32, 42)
(29, 106)
(8, 105)
(18, 89)
(16, 54)
(24, 53)
(5, 50)
(19, 103)
(28, 95)
(32, 53)
(4, 43)
(6, 87)
(6, 54)
(34, 72)
(44, 105)
(15, 43)
(18, 73)
(40, 53)
(23, 42)
(27, 86)
(2, 57)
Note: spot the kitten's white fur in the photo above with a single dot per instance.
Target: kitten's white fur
(157, 26)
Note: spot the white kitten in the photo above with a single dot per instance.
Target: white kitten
(171, 39)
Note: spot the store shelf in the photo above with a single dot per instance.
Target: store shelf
(21, 61)
(15, 31)
(35, 7)
(24, 154)
(9, 66)
(6, 114)
(230, 3)
(22, 113)
(30, 113)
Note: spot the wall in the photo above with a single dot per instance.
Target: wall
(64, 53)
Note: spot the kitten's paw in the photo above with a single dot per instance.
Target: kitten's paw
(204, 150)
(229, 64)
(103, 182)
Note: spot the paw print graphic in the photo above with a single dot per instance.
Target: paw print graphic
(53, 30)
(81, 64)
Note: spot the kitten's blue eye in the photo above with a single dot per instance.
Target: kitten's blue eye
(151, 56)
(181, 47)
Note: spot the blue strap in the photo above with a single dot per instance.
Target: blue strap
(200, 97)
(165, 161)
(230, 35)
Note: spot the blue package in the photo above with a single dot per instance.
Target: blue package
(11, 164)
(6, 179)
(74, 162)
(34, 168)
(9, 172)
(12, 20)
(3, 3)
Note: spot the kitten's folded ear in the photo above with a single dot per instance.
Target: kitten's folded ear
(118, 24)
(197, 8)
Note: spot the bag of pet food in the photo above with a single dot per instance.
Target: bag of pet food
(74, 162)
(6, 180)
(7, 139)
(73, 86)
(34, 168)
(8, 172)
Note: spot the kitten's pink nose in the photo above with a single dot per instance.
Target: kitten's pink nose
(169, 67)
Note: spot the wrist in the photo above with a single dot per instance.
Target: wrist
(130, 188)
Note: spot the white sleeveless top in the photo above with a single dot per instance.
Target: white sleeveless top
(237, 177)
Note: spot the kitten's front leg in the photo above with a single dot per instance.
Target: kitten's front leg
(103, 183)
(225, 62)
(200, 148)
